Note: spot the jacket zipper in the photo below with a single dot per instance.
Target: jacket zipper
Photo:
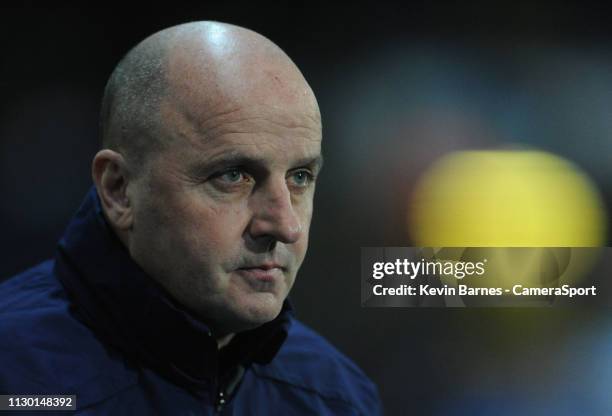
(227, 389)
(220, 401)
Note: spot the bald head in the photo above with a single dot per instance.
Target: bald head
(191, 73)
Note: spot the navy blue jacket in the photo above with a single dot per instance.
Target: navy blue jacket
(90, 322)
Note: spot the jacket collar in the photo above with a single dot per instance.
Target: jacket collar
(131, 312)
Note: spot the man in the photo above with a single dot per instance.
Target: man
(168, 291)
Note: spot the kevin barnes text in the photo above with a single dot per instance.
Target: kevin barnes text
(464, 290)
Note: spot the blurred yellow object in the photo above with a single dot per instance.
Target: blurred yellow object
(475, 205)
(506, 199)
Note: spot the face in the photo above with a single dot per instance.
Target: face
(221, 217)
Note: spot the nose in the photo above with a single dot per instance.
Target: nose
(274, 216)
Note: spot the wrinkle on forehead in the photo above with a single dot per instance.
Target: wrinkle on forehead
(249, 121)
(253, 137)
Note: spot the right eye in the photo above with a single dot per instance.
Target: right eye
(231, 176)
(231, 179)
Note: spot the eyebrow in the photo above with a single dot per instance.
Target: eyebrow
(315, 162)
(229, 159)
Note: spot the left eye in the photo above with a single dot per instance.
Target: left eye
(301, 178)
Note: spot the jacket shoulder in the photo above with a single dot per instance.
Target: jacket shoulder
(46, 349)
(308, 362)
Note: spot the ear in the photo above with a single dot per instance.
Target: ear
(110, 174)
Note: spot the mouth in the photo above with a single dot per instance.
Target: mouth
(265, 272)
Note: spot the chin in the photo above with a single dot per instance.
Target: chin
(257, 314)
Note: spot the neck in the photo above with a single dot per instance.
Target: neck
(224, 340)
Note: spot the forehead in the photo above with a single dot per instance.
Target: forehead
(272, 134)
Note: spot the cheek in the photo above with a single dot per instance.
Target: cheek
(209, 230)
(305, 213)
(303, 246)
(300, 247)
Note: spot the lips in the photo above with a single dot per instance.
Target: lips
(265, 272)
(265, 266)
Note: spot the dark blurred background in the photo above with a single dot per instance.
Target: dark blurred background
(398, 86)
